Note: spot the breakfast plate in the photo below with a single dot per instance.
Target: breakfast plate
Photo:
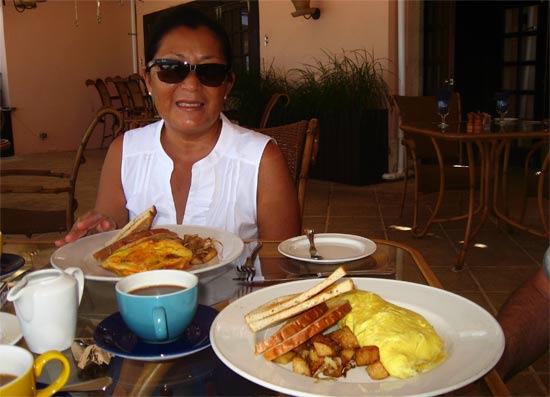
(473, 341)
(333, 247)
(80, 252)
(113, 336)
(10, 332)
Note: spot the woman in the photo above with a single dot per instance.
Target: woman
(194, 165)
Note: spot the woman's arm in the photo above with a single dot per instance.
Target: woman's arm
(278, 211)
(524, 318)
(110, 199)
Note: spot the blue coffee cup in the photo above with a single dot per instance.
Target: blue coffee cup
(158, 305)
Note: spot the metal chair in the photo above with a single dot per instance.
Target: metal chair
(46, 186)
(299, 143)
(437, 165)
(275, 98)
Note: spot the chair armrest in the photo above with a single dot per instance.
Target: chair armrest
(35, 172)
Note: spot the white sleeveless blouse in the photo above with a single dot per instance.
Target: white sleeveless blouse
(224, 184)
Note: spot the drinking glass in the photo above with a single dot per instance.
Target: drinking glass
(443, 110)
(502, 108)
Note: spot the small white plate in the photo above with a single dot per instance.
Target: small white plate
(333, 247)
(10, 332)
(80, 252)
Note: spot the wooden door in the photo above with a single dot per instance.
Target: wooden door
(240, 18)
(439, 46)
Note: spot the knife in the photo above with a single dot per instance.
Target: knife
(309, 276)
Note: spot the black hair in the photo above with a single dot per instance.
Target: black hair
(192, 18)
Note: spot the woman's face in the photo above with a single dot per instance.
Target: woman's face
(189, 106)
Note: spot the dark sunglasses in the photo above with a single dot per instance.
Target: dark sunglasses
(172, 71)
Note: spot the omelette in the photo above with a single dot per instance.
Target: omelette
(149, 255)
(408, 343)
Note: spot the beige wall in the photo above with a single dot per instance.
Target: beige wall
(49, 58)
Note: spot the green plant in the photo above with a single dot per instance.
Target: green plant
(350, 81)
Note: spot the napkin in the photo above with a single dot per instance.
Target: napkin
(90, 359)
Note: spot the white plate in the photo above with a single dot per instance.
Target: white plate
(333, 247)
(80, 252)
(473, 339)
(10, 332)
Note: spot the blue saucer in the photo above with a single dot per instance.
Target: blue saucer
(113, 336)
(10, 263)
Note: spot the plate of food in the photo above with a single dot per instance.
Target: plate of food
(333, 247)
(363, 328)
(112, 255)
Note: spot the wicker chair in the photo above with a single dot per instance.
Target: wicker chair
(45, 186)
(299, 143)
(434, 163)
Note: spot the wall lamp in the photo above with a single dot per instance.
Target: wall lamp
(22, 5)
(303, 9)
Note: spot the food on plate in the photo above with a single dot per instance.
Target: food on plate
(283, 308)
(137, 247)
(371, 332)
(149, 254)
(203, 248)
(140, 223)
(335, 313)
(133, 239)
(408, 343)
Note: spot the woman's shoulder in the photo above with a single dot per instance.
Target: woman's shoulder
(143, 139)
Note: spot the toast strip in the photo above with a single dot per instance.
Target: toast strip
(263, 312)
(325, 295)
(292, 327)
(141, 222)
(326, 320)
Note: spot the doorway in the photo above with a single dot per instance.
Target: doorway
(480, 48)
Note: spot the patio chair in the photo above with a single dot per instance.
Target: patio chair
(437, 165)
(46, 188)
(299, 143)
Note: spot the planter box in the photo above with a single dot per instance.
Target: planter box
(353, 147)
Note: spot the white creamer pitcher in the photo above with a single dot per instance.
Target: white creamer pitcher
(46, 304)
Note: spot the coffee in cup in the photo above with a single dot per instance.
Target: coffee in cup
(158, 305)
(19, 370)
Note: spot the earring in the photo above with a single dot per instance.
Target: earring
(150, 94)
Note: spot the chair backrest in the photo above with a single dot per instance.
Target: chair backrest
(41, 182)
(424, 109)
(299, 143)
(122, 90)
(137, 79)
(102, 91)
(275, 98)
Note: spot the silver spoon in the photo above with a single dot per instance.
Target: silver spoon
(89, 385)
(312, 250)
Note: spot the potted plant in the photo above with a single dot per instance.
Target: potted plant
(349, 96)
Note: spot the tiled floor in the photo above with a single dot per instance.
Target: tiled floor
(498, 264)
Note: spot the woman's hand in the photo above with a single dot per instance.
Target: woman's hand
(90, 223)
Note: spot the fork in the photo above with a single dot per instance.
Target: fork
(247, 269)
(313, 253)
